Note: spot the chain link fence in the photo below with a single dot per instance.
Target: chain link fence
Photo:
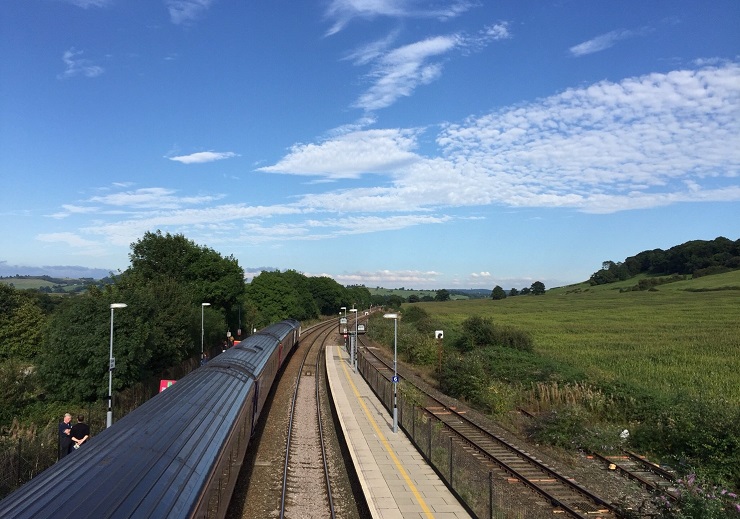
(475, 480)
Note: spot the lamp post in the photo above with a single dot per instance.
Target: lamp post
(202, 329)
(395, 372)
(111, 366)
(354, 343)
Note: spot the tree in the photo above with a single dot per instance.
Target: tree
(280, 296)
(442, 295)
(498, 293)
(513, 292)
(207, 275)
(359, 296)
(21, 324)
(538, 288)
(326, 293)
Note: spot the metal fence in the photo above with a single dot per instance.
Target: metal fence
(485, 491)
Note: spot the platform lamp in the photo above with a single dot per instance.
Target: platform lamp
(395, 372)
(111, 366)
(354, 344)
(202, 328)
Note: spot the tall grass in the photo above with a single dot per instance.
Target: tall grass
(669, 342)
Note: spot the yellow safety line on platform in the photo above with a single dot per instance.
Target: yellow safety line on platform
(387, 445)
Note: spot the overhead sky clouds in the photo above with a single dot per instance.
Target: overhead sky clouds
(388, 142)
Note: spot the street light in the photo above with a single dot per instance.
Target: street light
(353, 356)
(395, 372)
(202, 329)
(111, 366)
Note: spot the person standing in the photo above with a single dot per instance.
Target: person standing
(80, 432)
(65, 435)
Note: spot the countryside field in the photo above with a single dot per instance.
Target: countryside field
(683, 338)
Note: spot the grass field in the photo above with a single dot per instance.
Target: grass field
(683, 337)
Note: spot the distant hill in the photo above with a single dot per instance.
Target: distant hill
(54, 271)
(694, 258)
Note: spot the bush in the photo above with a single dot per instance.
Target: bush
(691, 434)
(480, 332)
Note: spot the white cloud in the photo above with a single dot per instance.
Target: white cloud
(203, 156)
(152, 198)
(89, 247)
(389, 278)
(601, 42)
(396, 73)
(350, 155)
(77, 66)
(186, 11)
(344, 11)
(90, 3)
(643, 142)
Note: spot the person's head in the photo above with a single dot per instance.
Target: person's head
(80, 418)
(67, 417)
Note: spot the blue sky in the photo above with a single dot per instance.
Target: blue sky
(394, 143)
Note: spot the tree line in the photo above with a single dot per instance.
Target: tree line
(56, 347)
(695, 258)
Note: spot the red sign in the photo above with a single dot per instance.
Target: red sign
(164, 384)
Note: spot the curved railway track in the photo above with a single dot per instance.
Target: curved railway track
(561, 492)
(271, 485)
(306, 480)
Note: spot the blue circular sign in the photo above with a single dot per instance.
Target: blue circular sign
(395, 379)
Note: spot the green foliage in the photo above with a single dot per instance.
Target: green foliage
(21, 324)
(479, 332)
(208, 276)
(697, 257)
(327, 293)
(573, 427)
(463, 377)
(498, 293)
(420, 319)
(18, 388)
(359, 296)
(281, 295)
(699, 500)
(537, 288)
(695, 436)
(442, 295)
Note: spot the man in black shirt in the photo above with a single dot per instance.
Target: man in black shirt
(80, 432)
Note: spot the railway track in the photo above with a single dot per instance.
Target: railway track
(307, 489)
(561, 492)
(291, 469)
(637, 468)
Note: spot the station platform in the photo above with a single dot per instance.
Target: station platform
(396, 481)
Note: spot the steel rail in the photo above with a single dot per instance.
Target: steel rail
(565, 482)
(318, 330)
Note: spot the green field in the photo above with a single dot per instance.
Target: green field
(683, 337)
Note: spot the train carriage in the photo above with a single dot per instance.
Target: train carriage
(177, 455)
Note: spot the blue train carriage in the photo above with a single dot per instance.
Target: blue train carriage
(177, 455)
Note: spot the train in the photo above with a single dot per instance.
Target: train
(178, 455)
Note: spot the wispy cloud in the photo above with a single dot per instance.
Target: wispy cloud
(78, 66)
(89, 3)
(204, 156)
(344, 11)
(396, 73)
(90, 247)
(186, 11)
(643, 142)
(602, 42)
(152, 198)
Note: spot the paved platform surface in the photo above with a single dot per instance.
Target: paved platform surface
(396, 480)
